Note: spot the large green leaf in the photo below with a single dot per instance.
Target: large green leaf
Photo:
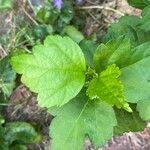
(128, 122)
(80, 118)
(143, 107)
(55, 70)
(7, 78)
(107, 87)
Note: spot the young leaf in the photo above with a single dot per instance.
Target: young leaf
(55, 70)
(107, 87)
(81, 117)
(128, 122)
(143, 108)
(7, 78)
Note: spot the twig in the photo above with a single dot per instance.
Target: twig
(29, 16)
(94, 18)
(103, 8)
(3, 51)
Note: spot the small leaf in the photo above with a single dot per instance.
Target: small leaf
(73, 33)
(21, 131)
(7, 78)
(55, 70)
(143, 108)
(128, 122)
(80, 118)
(107, 87)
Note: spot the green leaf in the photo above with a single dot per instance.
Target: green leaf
(145, 22)
(145, 12)
(47, 14)
(108, 88)
(88, 47)
(1, 120)
(5, 4)
(79, 118)
(139, 3)
(18, 147)
(128, 122)
(132, 27)
(55, 70)
(135, 76)
(7, 78)
(134, 65)
(143, 108)
(126, 26)
(21, 131)
(73, 33)
(115, 51)
(3, 144)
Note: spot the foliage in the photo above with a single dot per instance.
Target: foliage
(107, 87)
(110, 85)
(127, 122)
(139, 3)
(7, 77)
(15, 135)
(132, 27)
(80, 118)
(62, 63)
(93, 91)
(5, 4)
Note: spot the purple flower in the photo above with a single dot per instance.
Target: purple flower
(57, 4)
